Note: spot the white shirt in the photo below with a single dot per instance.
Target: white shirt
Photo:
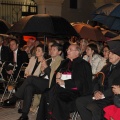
(15, 55)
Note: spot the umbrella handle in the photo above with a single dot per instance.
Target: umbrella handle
(103, 77)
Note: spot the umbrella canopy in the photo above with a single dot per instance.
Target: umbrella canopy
(88, 32)
(43, 24)
(109, 15)
(113, 23)
(116, 38)
(111, 9)
(4, 26)
(108, 33)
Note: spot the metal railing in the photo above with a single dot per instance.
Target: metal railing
(13, 11)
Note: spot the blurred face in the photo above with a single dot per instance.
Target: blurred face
(113, 58)
(49, 47)
(106, 53)
(39, 52)
(36, 43)
(13, 46)
(89, 51)
(83, 46)
(54, 52)
(30, 42)
(72, 52)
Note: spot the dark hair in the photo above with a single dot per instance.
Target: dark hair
(106, 46)
(59, 46)
(41, 46)
(93, 47)
(15, 40)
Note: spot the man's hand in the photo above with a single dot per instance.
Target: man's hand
(58, 75)
(98, 95)
(116, 89)
(60, 82)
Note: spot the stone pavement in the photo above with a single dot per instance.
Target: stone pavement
(12, 114)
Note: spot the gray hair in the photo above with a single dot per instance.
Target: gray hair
(77, 47)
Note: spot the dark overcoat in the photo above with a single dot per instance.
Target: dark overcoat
(59, 98)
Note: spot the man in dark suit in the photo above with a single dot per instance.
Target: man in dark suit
(16, 57)
(91, 107)
(4, 51)
(73, 79)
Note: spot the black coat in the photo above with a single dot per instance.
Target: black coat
(22, 57)
(5, 53)
(115, 73)
(81, 76)
(58, 97)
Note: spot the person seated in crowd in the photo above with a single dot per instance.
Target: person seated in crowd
(96, 61)
(73, 79)
(91, 107)
(83, 46)
(106, 52)
(112, 112)
(34, 68)
(4, 52)
(29, 47)
(37, 85)
(34, 65)
(16, 58)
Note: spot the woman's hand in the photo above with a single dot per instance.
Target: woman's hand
(58, 75)
(43, 65)
(116, 89)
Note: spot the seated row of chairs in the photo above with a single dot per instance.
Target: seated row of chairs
(10, 84)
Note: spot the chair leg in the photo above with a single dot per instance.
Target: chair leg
(75, 115)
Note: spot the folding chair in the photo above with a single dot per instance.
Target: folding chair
(11, 83)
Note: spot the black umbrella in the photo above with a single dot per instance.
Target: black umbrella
(4, 26)
(43, 24)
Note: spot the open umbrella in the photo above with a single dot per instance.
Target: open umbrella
(88, 32)
(4, 26)
(116, 38)
(43, 24)
(112, 23)
(109, 34)
(111, 9)
(109, 15)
